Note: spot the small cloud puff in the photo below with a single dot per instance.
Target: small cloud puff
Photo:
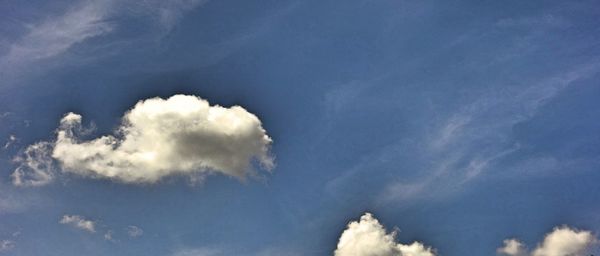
(134, 231)
(79, 222)
(10, 141)
(108, 236)
(560, 242)
(181, 135)
(512, 247)
(7, 245)
(368, 237)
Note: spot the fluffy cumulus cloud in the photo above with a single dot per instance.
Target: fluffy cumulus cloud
(181, 135)
(560, 242)
(79, 222)
(368, 237)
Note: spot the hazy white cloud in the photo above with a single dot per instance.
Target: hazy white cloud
(182, 135)
(7, 245)
(368, 237)
(213, 251)
(10, 202)
(79, 222)
(16, 200)
(546, 21)
(560, 242)
(198, 252)
(456, 145)
(134, 231)
(170, 12)
(275, 251)
(57, 34)
(35, 166)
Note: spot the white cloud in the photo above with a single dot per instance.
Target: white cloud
(565, 241)
(7, 245)
(134, 231)
(368, 237)
(35, 166)
(182, 135)
(79, 222)
(560, 242)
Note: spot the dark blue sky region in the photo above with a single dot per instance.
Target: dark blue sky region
(462, 123)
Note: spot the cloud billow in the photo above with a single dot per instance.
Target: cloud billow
(368, 237)
(560, 242)
(181, 135)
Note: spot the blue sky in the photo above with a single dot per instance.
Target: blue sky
(459, 124)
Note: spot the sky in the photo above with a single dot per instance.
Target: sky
(285, 128)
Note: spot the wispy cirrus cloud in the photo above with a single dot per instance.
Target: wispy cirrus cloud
(468, 142)
(452, 141)
(170, 12)
(459, 144)
(58, 34)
